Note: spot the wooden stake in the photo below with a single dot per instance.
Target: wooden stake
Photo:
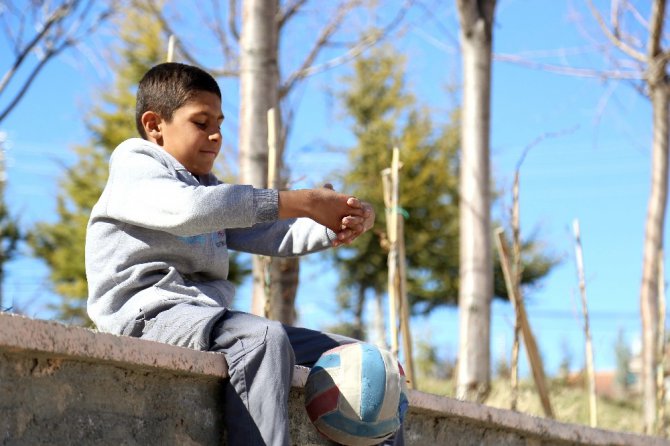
(170, 51)
(397, 283)
(390, 199)
(590, 372)
(516, 277)
(404, 305)
(273, 182)
(660, 364)
(529, 340)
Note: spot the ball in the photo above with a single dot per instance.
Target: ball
(356, 394)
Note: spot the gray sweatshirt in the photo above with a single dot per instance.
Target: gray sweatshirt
(159, 236)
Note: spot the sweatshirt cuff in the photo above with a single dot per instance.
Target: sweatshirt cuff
(266, 203)
(330, 235)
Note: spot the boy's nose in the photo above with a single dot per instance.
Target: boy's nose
(215, 137)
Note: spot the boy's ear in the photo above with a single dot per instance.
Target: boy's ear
(151, 123)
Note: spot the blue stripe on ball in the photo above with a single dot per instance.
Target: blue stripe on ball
(327, 361)
(353, 427)
(373, 383)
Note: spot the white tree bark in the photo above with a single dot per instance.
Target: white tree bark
(659, 93)
(259, 78)
(476, 265)
(653, 245)
(259, 84)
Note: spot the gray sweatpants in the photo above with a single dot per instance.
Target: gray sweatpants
(260, 354)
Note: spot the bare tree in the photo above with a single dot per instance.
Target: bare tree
(277, 280)
(39, 31)
(476, 265)
(640, 59)
(645, 66)
(36, 32)
(257, 62)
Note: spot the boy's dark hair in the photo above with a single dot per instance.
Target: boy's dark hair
(168, 86)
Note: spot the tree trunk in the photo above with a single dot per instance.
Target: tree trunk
(275, 280)
(379, 326)
(653, 241)
(476, 266)
(259, 77)
(284, 277)
(358, 329)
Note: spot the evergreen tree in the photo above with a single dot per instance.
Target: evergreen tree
(10, 235)
(61, 244)
(385, 115)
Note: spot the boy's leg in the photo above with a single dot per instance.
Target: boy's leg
(308, 345)
(260, 364)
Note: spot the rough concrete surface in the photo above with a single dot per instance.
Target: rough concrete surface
(70, 386)
(60, 402)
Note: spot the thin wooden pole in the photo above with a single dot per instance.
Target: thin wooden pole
(390, 178)
(390, 261)
(404, 305)
(529, 340)
(660, 367)
(273, 182)
(516, 277)
(170, 50)
(397, 279)
(588, 346)
(266, 306)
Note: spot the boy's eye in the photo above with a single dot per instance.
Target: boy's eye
(201, 125)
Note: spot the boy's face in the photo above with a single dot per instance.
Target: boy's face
(193, 136)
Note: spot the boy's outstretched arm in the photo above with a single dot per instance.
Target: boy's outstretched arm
(345, 215)
(322, 205)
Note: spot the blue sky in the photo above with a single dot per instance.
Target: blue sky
(596, 170)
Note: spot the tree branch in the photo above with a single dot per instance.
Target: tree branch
(307, 69)
(53, 45)
(186, 54)
(24, 88)
(656, 28)
(620, 44)
(321, 41)
(232, 15)
(218, 30)
(289, 11)
(615, 15)
(636, 13)
(10, 9)
(572, 71)
(58, 15)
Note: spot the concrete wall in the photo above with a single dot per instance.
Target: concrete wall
(63, 385)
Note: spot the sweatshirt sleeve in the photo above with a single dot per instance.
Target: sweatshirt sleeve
(144, 190)
(283, 238)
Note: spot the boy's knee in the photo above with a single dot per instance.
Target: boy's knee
(276, 334)
(278, 339)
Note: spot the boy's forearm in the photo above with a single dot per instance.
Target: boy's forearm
(295, 203)
(322, 205)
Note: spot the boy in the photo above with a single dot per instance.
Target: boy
(157, 257)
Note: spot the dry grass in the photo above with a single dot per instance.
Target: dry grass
(570, 403)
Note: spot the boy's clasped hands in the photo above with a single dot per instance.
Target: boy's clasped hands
(345, 215)
(361, 218)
